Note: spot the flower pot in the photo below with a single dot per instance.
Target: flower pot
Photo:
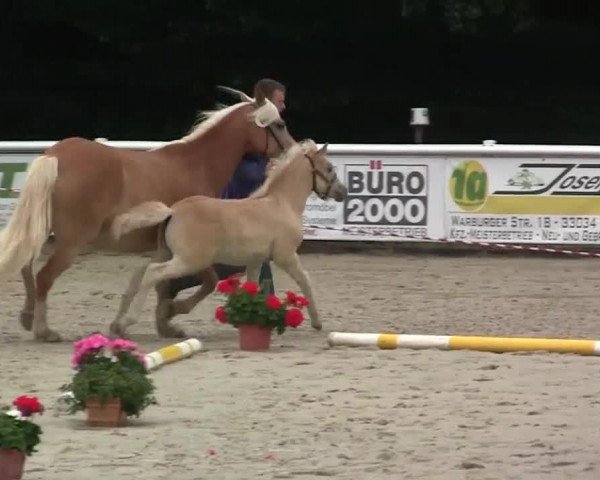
(11, 464)
(254, 338)
(105, 414)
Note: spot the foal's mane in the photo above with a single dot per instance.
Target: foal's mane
(283, 164)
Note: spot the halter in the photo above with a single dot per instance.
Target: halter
(269, 129)
(317, 173)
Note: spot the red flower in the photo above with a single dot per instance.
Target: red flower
(293, 318)
(291, 297)
(220, 314)
(229, 285)
(273, 302)
(301, 302)
(28, 405)
(251, 288)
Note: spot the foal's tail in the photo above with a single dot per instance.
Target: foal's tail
(147, 214)
(29, 227)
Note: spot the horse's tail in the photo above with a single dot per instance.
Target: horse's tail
(147, 214)
(29, 227)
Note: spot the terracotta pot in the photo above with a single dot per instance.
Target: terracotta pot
(105, 414)
(254, 338)
(11, 464)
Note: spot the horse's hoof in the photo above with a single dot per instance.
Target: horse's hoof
(49, 336)
(27, 320)
(317, 326)
(169, 331)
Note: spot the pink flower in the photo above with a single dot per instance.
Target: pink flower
(273, 302)
(293, 318)
(220, 314)
(96, 342)
(122, 344)
(141, 357)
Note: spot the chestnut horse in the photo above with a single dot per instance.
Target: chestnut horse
(77, 187)
(199, 231)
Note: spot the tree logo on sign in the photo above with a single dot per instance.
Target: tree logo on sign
(469, 185)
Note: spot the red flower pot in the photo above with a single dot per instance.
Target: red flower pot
(105, 414)
(11, 464)
(254, 338)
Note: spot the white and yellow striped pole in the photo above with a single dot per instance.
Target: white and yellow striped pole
(448, 342)
(172, 353)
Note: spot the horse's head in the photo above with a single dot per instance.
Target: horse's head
(267, 131)
(326, 183)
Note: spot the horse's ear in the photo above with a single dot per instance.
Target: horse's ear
(323, 149)
(233, 91)
(259, 98)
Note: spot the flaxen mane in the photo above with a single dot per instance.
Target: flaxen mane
(209, 118)
(282, 164)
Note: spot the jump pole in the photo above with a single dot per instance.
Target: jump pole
(172, 353)
(391, 341)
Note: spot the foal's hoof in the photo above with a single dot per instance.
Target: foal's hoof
(26, 320)
(317, 326)
(47, 335)
(169, 331)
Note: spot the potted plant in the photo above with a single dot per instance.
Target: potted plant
(18, 436)
(111, 381)
(255, 314)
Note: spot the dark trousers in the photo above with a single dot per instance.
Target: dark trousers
(223, 271)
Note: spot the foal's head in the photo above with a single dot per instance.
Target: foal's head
(326, 183)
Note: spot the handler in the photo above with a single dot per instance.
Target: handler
(249, 175)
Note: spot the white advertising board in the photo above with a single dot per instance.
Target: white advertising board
(524, 200)
(501, 194)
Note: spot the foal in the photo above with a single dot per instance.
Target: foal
(199, 231)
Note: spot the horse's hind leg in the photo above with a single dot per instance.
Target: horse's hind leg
(186, 305)
(29, 306)
(61, 260)
(293, 268)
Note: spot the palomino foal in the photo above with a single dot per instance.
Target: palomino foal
(78, 186)
(200, 231)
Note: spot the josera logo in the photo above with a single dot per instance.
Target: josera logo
(469, 185)
(554, 179)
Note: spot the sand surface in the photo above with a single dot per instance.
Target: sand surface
(304, 411)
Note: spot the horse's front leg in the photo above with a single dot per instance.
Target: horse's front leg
(292, 266)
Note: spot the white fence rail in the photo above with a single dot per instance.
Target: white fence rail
(525, 194)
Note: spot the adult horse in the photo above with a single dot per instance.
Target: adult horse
(77, 187)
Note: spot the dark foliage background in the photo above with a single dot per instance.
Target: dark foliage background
(518, 71)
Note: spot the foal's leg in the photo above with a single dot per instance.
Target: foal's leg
(186, 305)
(154, 273)
(293, 268)
(28, 307)
(253, 272)
(61, 260)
